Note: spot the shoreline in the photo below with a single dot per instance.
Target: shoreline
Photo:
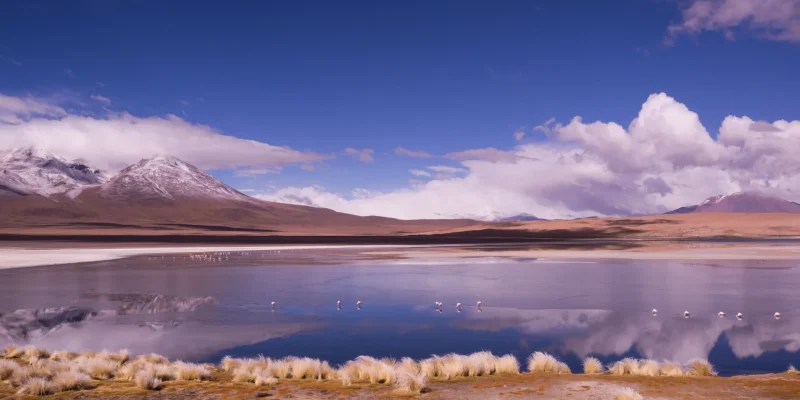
(38, 254)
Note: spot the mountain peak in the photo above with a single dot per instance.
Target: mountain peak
(30, 170)
(167, 178)
(742, 202)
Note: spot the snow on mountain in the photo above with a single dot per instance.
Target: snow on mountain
(742, 202)
(166, 178)
(27, 171)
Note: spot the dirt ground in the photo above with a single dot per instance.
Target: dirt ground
(523, 386)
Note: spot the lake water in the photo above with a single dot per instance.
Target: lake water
(202, 311)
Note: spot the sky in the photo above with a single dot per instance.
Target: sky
(420, 109)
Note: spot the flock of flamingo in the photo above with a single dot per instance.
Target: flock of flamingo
(224, 256)
(721, 314)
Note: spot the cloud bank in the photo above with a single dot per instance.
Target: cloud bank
(663, 160)
(770, 19)
(120, 139)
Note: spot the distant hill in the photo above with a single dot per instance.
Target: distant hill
(742, 202)
(41, 190)
(520, 218)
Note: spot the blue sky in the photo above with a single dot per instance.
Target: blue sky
(439, 77)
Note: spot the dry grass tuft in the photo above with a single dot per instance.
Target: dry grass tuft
(671, 369)
(152, 358)
(410, 383)
(12, 351)
(71, 380)
(648, 368)
(33, 353)
(791, 370)
(7, 368)
(542, 362)
(147, 380)
(63, 356)
(36, 387)
(266, 380)
(97, 368)
(700, 367)
(627, 366)
(191, 372)
(592, 365)
(507, 364)
(628, 394)
(228, 363)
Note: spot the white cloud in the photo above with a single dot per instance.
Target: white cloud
(771, 19)
(101, 99)
(519, 135)
(364, 155)
(419, 172)
(411, 153)
(120, 139)
(68, 72)
(488, 154)
(184, 102)
(664, 159)
(16, 110)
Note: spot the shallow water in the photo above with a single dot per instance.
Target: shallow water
(568, 308)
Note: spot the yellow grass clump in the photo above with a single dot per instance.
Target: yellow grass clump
(63, 355)
(507, 364)
(71, 380)
(191, 372)
(543, 362)
(791, 370)
(33, 353)
(36, 387)
(229, 363)
(147, 380)
(669, 368)
(700, 367)
(152, 358)
(266, 380)
(7, 368)
(626, 366)
(592, 365)
(97, 368)
(409, 383)
(648, 368)
(627, 394)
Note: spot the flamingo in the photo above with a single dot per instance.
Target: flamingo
(358, 304)
(721, 314)
(777, 315)
(686, 314)
(655, 311)
(739, 316)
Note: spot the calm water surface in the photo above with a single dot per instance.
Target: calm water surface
(203, 311)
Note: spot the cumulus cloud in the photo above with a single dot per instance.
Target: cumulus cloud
(364, 155)
(664, 159)
(411, 153)
(519, 135)
(120, 139)
(488, 154)
(771, 19)
(101, 99)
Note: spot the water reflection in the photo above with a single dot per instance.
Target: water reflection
(571, 309)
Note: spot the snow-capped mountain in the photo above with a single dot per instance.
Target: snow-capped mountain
(742, 202)
(28, 171)
(166, 178)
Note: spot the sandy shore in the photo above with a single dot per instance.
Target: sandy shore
(18, 257)
(34, 254)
